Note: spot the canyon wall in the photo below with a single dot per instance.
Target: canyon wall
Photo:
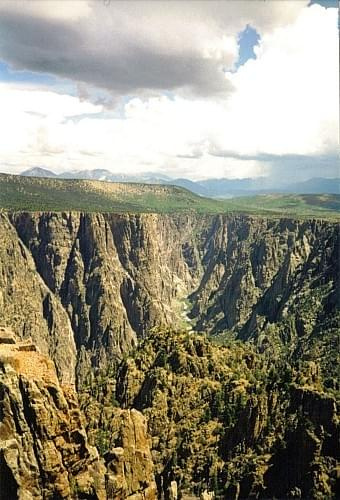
(101, 293)
(118, 275)
(44, 449)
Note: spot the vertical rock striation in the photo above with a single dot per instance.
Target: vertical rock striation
(44, 451)
(94, 291)
(116, 275)
(29, 307)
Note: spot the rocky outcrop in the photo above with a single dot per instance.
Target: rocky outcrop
(30, 308)
(44, 451)
(306, 462)
(230, 421)
(128, 460)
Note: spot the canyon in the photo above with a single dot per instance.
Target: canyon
(189, 356)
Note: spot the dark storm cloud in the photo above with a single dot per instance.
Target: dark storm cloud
(134, 47)
(124, 66)
(29, 42)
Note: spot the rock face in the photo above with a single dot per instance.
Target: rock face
(223, 420)
(104, 296)
(117, 276)
(44, 451)
(29, 307)
(129, 462)
(255, 267)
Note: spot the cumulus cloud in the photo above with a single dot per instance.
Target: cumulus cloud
(135, 47)
(281, 114)
(286, 99)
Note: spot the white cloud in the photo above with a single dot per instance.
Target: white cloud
(71, 10)
(286, 99)
(284, 102)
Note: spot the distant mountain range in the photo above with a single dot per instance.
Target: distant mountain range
(38, 172)
(215, 188)
(98, 174)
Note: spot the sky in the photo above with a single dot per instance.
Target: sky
(195, 89)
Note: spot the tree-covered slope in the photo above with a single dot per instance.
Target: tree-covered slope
(222, 330)
(224, 419)
(51, 194)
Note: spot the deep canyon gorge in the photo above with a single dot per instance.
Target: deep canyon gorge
(186, 356)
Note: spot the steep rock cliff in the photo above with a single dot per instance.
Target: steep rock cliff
(44, 449)
(116, 275)
(29, 307)
(91, 288)
(43, 445)
(252, 265)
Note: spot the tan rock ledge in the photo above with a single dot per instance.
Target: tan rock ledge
(25, 359)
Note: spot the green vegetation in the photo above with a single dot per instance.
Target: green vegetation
(319, 205)
(37, 194)
(225, 418)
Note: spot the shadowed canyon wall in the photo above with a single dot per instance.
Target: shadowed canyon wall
(90, 290)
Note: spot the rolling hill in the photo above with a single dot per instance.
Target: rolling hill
(34, 194)
(213, 188)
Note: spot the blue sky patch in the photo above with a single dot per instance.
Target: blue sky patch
(9, 75)
(325, 3)
(247, 40)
